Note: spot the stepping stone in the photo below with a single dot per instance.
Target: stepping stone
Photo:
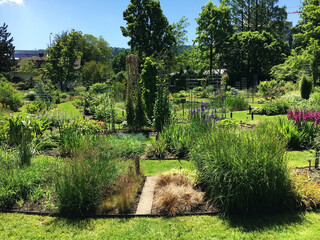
(146, 198)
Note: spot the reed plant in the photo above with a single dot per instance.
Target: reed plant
(243, 170)
(80, 184)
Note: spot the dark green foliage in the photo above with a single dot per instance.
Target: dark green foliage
(258, 16)
(149, 85)
(254, 53)
(305, 87)
(64, 53)
(130, 111)
(119, 61)
(148, 28)
(243, 171)
(161, 108)
(9, 96)
(140, 116)
(6, 50)
(213, 32)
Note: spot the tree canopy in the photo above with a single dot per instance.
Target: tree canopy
(6, 50)
(149, 30)
(63, 56)
(213, 31)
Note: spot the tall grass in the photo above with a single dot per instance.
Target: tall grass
(80, 184)
(243, 170)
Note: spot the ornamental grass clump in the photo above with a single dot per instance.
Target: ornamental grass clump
(83, 179)
(243, 171)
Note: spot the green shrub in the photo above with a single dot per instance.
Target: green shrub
(126, 145)
(9, 96)
(273, 108)
(235, 102)
(99, 88)
(17, 183)
(243, 171)
(80, 184)
(305, 87)
(35, 107)
(75, 133)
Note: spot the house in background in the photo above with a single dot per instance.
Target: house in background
(39, 58)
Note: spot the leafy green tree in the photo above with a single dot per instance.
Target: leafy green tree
(93, 72)
(180, 33)
(254, 53)
(6, 50)
(119, 61)
(149, 30)
(95, 49)
(309, 25)
(258, 15)
(149, 85)
(63, 55)
(213, 31)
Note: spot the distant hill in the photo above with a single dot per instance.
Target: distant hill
(115, 50)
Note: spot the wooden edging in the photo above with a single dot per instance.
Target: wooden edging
(101, 216)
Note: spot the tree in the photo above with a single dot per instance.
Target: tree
(254, 53)
(161, 107)
(93, 72)
(180, 33)
(119, 62)
(258, 15)
(6, 50)
(148, 28)
(309, 26)
(63, 54)
(149, 81)
(95, 49)
(213, 31)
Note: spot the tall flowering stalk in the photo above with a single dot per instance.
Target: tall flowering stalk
(304, 116)
(204, 113)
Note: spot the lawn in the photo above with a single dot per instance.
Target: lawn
(271, 226)
(69, 108)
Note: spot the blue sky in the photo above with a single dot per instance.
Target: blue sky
(31, 21)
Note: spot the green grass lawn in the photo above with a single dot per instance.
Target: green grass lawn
(69, 108)
(154, 167)
(299, 158)
(271, 226)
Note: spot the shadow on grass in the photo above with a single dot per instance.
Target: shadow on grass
(255, 222)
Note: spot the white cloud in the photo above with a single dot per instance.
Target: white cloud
(19, 2)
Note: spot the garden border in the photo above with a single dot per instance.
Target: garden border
(101, 216)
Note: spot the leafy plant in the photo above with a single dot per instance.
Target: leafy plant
(9, 96)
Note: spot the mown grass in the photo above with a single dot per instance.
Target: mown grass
(299, 158)
(154, 167)
(276, 226)
(70, 108)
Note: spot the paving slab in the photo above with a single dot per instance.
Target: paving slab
(146, 198)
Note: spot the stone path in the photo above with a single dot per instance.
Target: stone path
(146, 198)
